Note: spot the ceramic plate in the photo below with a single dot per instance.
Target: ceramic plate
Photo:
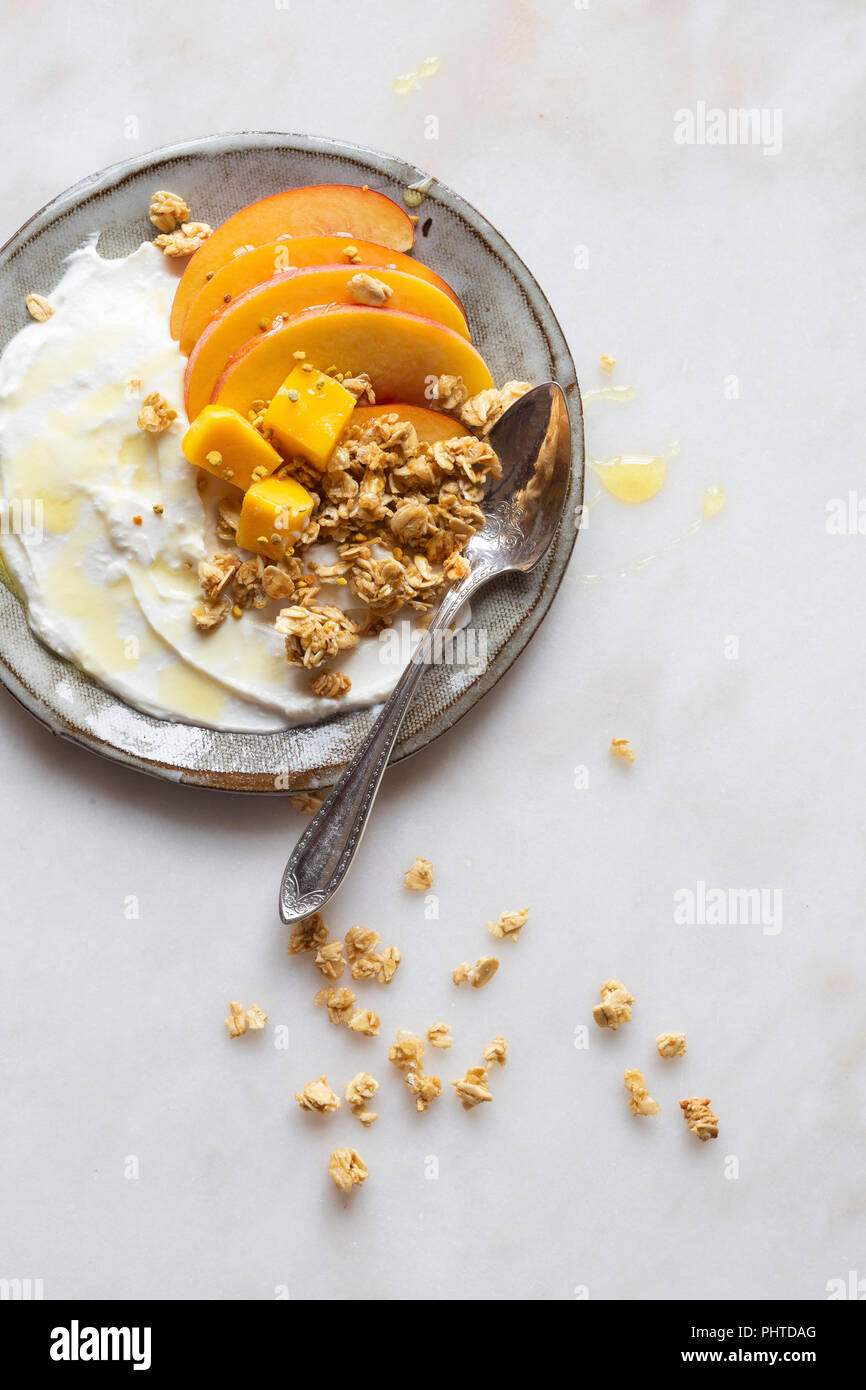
(512, 325)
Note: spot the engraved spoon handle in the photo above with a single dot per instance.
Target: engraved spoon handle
(322, 856)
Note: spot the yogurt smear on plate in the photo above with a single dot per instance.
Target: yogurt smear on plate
(109, 594)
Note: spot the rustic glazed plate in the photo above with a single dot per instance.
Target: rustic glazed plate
(514, 328)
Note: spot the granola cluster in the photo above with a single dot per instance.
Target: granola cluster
(615, 1006)
(241, 1020)
(640, 1101)
(156, 415)
(397, 512)
(347, 1169)
(700, 1118)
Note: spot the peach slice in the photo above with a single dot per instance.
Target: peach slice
(431, 426)
(290, 294)
(332, 209)
(264, 262)
(402, 353)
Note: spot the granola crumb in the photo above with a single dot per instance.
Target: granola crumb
(237, 1019)
(360, 941)
(338, 1001)
(671, 1044)
(167, 210)
(156, 415)
(424, 1088)
(456, 567)
(318, 1096)
(307, 805)
(615, 1006)
(473, 1090)
(330, 685)
(496, 1052)
(700, 1118)
(185, 240)
(256, 1018)
(214, 574)
(640, 1100)
(621, 748)
(346, 1167)
(388, 963)
(207, 616)
(509, 924)
(450, 392)
(38, 307)
(407, 1053)
(330, 959)
(607, 363)
(366, 289)
(359, 1091)
(478, 974)
(419, 876)
(308, 934)
(367, 1022)
(439, 1035)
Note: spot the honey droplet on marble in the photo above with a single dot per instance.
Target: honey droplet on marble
(712, 502)
(632, 477)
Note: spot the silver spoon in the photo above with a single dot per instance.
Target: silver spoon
(523, 510)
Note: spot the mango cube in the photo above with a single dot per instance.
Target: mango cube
(274, 511)
(308, 414)
(224, 444)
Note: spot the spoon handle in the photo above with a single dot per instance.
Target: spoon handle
(321, 858)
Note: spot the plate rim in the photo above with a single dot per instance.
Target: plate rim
(113, 176)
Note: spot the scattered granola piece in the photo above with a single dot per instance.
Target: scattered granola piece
(318, 1096)
(461, 973)
(407, 1052)
(366, 289)
(167, 210)
(483, 970)
(615, 1006)
(482, 411)
(339, 1002)
(308, 934)
(207, 616)
(439, 1035)
(388, 962)
(215, 574)
(640, 1100)
(367, 1022)
(359, 1091)
(307, 805)
(671, 1044)
(473, 1088)
(361, 387)
(509, 924)
(360, 941)
(185, 240)
(330, 959)
(700, 1118)
(237, 1019)
(419, 876)
(621, 748)
(256, 1018)
(607, 363)
(38, 307)
(156, 415)
(496, 1051)
(347, 1168)
(330, 685)
(424, 1088)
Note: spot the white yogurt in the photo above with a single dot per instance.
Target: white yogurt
(112, 596)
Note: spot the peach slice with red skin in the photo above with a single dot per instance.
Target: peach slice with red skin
(431, 426)
(262, 263)
(289, 294)
(332, 209)
(403, 354)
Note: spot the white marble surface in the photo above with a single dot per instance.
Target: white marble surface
(705, 263)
